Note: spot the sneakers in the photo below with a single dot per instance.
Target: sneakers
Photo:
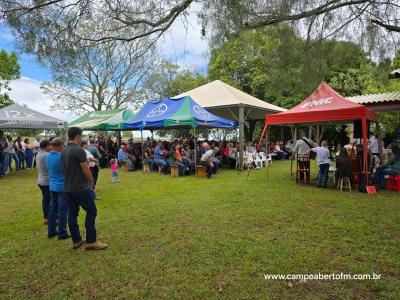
(96, 246)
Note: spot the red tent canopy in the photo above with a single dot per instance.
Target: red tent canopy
(323, 105)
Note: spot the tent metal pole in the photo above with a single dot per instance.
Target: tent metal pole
(195, 151)
(241, 137)
(141, 138)
(119, 137)
(379, 133)
(293, 154)
(365, 147)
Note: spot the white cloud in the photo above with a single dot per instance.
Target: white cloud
(27, 91)
(184, 44)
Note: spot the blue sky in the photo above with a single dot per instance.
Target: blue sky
(29, 67)
(184, 46)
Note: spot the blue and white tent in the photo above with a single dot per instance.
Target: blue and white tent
(174, 113)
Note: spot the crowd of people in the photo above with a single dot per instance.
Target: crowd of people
(68, 168)
(67, 181)
(348, 159)
(20, 151)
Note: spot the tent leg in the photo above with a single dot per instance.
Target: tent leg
(141, 139)
(379, 133)
(293, 154)
(119, 137)
(365, 151)
(241, 137)
(195, 151)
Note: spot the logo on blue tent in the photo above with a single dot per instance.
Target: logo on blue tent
(157, 111)
(201, 112)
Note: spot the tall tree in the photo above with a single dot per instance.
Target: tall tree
(274, 65)
(365, 21)
(49, 24)
(9, 70)
(106, 76)
(167, 80)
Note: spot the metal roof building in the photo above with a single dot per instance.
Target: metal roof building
(386, 102)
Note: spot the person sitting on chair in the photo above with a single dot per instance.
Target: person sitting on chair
(123, 157)
(207, 160)
(177, 159)
(343, 165)
(392, 167)
(159, 158)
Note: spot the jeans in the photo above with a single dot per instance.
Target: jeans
(114, 176)
(12, 156)
(281, 155)
(21, 160)
(151, 163)
(181, 167)
(84, 199)
(95, 174)
(322, 180)
(162, 163)
(58, 210)
(210, 169)
(380, 173)
(46, 198)
(4, 163)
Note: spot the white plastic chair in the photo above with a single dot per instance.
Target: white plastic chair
(258, 160)
(267, 159)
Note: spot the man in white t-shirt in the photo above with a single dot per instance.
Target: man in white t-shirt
(373, 145)
(207, 160)
(323, 161)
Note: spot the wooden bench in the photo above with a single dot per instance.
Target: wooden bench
(146, 167)
(174, 171)
(201, 171)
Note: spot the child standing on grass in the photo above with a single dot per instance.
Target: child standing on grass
(114, 169)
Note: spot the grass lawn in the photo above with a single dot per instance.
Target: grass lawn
(195, 238)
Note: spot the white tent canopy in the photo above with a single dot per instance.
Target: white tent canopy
(224, 101)
(228, 102)
(17, 116)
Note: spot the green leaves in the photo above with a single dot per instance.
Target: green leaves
(9, 70)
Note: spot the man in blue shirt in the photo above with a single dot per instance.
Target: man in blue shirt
(123, 156)
(159, 158)
(58, 209)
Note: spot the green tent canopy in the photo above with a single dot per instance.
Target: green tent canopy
(92, 119)
(116, 122)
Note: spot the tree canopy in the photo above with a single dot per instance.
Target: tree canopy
(277, 65)
(9, 70)
(46, 25)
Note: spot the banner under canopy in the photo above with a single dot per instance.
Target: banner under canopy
(173, 113)
(17, 116)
